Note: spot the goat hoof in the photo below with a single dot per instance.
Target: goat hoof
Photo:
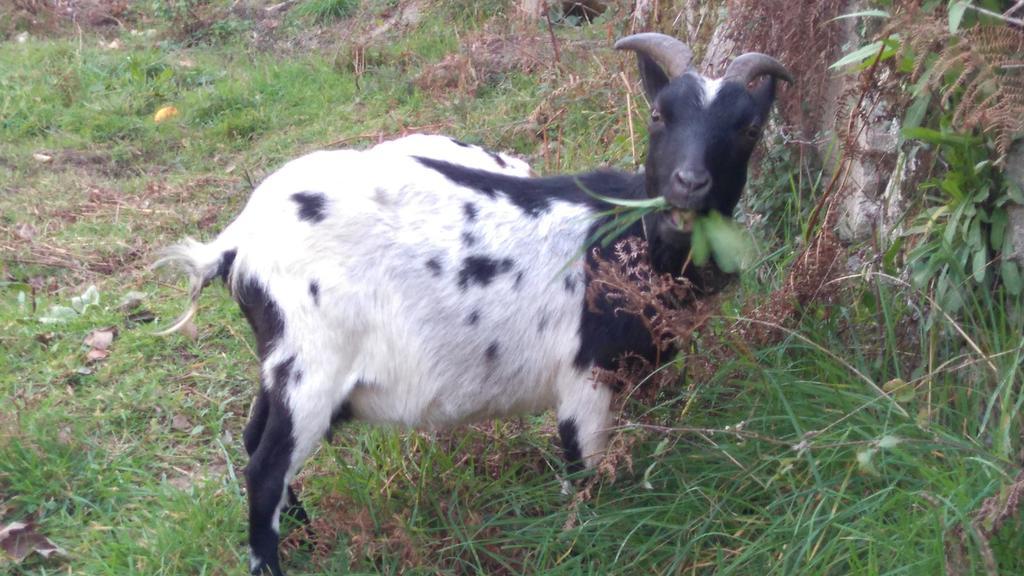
(260, 567)
(295, 510)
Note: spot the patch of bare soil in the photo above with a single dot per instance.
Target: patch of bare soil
(485, 56)
(369, 26)
(57, 17)
(124, 228)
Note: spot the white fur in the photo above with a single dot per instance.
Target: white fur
(388, 335)
(711, 87)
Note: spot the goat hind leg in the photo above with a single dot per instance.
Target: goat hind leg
(251, 437)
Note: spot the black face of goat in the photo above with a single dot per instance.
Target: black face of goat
(702, 131)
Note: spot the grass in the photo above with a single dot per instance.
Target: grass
(786, 460)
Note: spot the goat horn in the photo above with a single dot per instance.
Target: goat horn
(672, 55)
(754, 64)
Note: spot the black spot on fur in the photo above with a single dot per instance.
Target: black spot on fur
(434, 265)
(542, 324)
(470, 210)
(604, 334)
(570, 445)
(491, 354)
(312, 206)
(569, 283)
(473, 318)
(314, 291)
(262, 313)
(468, 239)
(461, 143)
(227, 259)
(282, 373)
(481, 270)
(534, 195)
(518, 281)
(500, 161)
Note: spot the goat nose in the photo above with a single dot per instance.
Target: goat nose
(693, 181)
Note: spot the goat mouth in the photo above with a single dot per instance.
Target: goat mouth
(683, 219)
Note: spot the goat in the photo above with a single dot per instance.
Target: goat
(426, 283)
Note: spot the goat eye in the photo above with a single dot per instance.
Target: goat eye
(655, 116)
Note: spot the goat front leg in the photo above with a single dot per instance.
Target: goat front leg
(583, 408)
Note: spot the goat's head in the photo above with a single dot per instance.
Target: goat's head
(702, 130)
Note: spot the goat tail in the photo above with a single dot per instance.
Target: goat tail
(202, 263)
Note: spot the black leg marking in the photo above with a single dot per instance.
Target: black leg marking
(227, 259)
(294, 509)
(262, 313)
(257, 422)
(264, 477)
(312, 206)
(570, 445)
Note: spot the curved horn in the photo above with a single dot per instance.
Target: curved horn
(753, 64)
(672, 55)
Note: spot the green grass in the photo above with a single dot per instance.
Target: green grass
(786, 460)
(326, 11)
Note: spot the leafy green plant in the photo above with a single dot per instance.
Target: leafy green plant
(961, 229)
(711, 235)
(963, 226)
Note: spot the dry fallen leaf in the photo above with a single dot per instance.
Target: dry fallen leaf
(131, 301)
(189, 330)
(95, 355)
(99, 342)
(165, 113)
(19, 539)
(101, 338)
(64, 435)
(141, 317)
(180, 422)
(180, 482)
(26, 231)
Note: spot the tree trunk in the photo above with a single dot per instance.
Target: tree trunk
(532, 9)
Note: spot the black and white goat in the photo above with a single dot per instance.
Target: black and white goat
(427, 283)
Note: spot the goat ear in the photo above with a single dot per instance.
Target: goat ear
(654, 78)
(764, 96)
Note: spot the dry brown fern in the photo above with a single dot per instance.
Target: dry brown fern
(991, 64)
(806, 37)
(982, 65)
